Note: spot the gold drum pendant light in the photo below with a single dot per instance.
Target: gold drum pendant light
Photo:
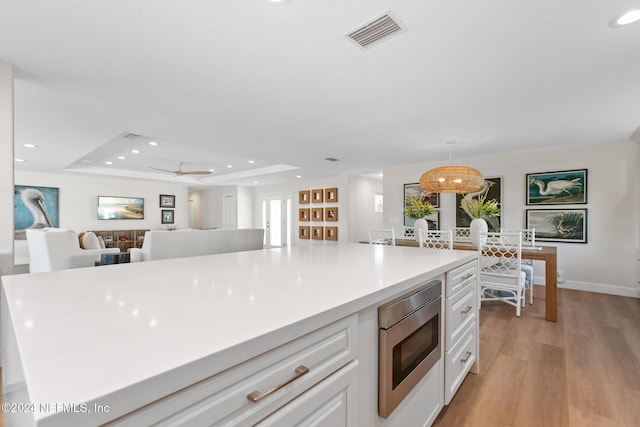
(451, 179)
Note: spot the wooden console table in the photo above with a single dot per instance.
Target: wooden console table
(548, 254)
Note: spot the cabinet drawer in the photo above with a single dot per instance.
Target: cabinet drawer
(461, 311)
(458, 361)
(221, 399)
(460, 277)
(330, 403)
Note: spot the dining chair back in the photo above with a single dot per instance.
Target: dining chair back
(436, 239)
(382, 237)
(501, 277)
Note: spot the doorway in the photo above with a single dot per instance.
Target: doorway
(276, 220)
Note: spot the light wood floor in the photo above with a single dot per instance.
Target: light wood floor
(583, 370)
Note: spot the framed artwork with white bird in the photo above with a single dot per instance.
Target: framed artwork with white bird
(34, 207)
(557, 188)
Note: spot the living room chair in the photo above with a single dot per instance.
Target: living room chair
(501, 277)
(56, 249)
(436, 239)
(382, 237)
(528, 239)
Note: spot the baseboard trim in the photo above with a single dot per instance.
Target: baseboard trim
(600, 288)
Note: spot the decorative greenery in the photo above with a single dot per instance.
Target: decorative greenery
(481, 207)
(418, 207)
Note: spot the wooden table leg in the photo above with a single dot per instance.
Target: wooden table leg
(551, 276)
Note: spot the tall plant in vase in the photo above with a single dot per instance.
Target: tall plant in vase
(480, 209)
(418, 208)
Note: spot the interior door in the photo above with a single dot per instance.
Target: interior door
(276, 220)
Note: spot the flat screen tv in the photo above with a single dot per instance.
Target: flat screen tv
(110, 207)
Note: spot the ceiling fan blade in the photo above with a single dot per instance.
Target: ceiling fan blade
(162, 170)
(193, 173)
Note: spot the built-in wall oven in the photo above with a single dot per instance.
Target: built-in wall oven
(409, 343)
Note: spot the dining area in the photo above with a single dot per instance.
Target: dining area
(506, 257)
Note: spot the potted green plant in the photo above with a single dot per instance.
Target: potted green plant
(480, 209)
(418, 208)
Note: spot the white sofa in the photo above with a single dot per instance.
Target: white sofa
(57, 249)
(163, 244)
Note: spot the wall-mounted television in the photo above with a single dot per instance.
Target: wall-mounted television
(110, 207)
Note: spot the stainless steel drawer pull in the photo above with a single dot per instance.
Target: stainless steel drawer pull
(256, 396)
(466, 276)
(466, 357)
(466, 310)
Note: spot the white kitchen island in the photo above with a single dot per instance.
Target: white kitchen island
(94, 345)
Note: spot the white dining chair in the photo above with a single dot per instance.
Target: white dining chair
(382, 237)
(461, 234)
(436, 239)
(501, 277)
(528, 239)
(408, 232)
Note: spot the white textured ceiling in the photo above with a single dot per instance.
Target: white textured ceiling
(220, 82)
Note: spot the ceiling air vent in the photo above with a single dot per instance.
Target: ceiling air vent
(374, 31)
(331, 159)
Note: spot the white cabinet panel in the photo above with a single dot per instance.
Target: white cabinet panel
(222, 399)
(328, 404)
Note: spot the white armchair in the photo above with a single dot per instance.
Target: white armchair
(57, 249)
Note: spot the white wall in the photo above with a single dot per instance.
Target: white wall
(341, 182)
(195, 207)
(6, 167)
(245, 209)
(355, 205)
(79, 200)
(362, 214)
(607, 263)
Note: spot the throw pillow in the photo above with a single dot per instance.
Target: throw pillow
(90, 241)
(101, 242)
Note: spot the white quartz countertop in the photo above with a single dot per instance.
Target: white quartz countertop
(126, 335)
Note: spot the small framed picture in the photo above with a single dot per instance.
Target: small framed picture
(331, 214)
(317, 214)
(331, 195)
(331, 233)
(316, 196)
(317, 233)
(304, 197)
(303, 214)
(167, 201)
(167, 216)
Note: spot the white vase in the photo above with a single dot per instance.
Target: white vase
(420, 224)
(478, 225)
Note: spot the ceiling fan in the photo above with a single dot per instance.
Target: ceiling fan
(180, 172)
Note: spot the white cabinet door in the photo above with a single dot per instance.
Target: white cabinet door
(328, 404)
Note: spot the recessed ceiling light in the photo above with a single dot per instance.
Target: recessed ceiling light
(255, 182)
(298, 176)
(229, 166)
(135, 151)
(121, 157)
(155, 144)
(108, 162)
(19, 160)
(30, 145)
(252, 161)
(279, 1)
(626, 19)
(212, 170)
